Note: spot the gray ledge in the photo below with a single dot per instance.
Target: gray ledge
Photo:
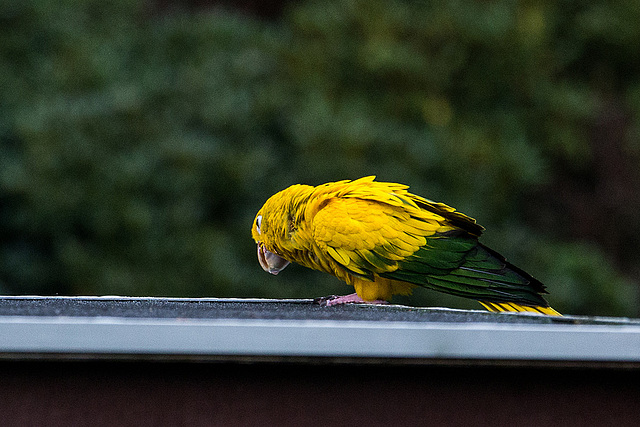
(257, 329)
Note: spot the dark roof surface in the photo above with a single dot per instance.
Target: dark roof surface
(299, 309)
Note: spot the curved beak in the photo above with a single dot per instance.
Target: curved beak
(270, 262)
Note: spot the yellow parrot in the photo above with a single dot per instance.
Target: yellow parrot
(384, 241)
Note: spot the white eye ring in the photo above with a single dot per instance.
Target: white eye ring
(258, 223)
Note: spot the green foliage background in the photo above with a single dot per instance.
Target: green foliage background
(136, 143)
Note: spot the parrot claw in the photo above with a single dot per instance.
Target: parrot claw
(323, 301)
(332, 300)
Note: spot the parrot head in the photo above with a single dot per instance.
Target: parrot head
(270, 231)
(270, 262)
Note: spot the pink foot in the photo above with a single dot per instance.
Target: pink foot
(346, 299)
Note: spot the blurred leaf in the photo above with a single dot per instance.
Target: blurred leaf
(136, 145)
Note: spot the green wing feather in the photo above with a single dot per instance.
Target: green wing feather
(458, 264)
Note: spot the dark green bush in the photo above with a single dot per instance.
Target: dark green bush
(136, 146)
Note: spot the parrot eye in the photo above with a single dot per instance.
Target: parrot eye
(258, 223)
